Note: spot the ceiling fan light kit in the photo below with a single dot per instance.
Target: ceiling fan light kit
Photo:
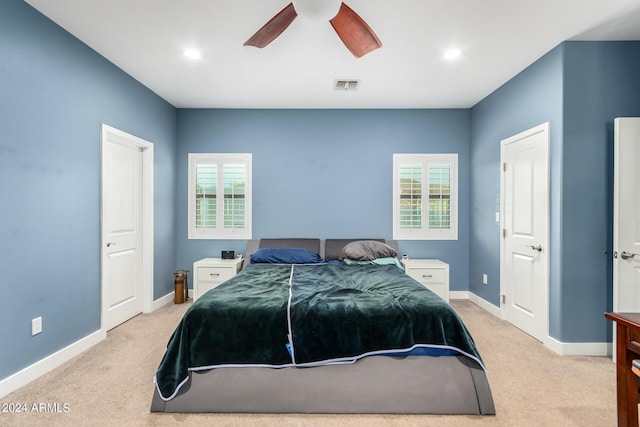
(317, 10)
(354, 32)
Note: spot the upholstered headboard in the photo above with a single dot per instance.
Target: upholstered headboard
(333, 247)
(329, 249)
(304, 243)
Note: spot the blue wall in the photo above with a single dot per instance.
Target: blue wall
(325, 173)
(579, 87)
(601, 82)
(529, 99)
(55, 93)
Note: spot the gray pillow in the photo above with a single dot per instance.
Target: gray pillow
(365, 250)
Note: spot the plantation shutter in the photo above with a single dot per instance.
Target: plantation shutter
(234, 177)
(206, 189)
(219, 196)
(439, 196)
(425, 196)
(411, 196)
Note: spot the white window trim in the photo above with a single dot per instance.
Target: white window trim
(425, 233)
(219, 232)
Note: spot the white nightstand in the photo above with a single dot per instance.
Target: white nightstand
(210, 272)
(432, 273)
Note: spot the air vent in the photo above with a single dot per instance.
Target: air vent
(345, 84)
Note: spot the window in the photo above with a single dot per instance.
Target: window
(425, 196)
(219, 196)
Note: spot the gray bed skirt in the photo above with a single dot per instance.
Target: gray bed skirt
(375, 384)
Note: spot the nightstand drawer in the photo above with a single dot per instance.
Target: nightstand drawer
(428, 275)
(215, 274)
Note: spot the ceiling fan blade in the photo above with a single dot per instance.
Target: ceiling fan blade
(273, 28)
(354, 32)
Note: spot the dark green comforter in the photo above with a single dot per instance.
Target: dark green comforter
(336, 312)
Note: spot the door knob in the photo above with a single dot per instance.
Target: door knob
(627, 255)
(110, 244)
(536, 247)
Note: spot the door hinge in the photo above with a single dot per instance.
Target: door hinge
(504, 233)
(503, 298)
(504, 167)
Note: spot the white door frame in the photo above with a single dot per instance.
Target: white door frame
(544, 127)
(146, 212)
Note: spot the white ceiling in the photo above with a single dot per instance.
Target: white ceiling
(498, 39)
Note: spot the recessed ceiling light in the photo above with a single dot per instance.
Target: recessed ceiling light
(192, 54)
(452, 54)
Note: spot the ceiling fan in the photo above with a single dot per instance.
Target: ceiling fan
(357, 36)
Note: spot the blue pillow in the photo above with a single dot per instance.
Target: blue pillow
(285, 256)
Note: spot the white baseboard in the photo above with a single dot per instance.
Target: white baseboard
(162, 301)
(49, 363)
(41, 367)
(579, 348)
(558, 347)
(167, 299)
(486, 305)
(458, 295)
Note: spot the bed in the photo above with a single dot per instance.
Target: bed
(300, 331)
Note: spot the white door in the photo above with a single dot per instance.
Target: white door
(121, 230)
(626, 212)
(525, 231)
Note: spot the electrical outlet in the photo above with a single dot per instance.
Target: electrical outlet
(36, 326)
(484, 279)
